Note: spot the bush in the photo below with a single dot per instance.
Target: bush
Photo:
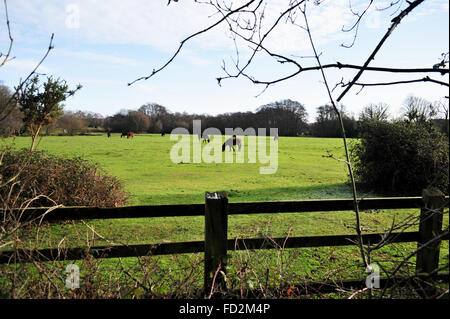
(50, 180)
(401, 158)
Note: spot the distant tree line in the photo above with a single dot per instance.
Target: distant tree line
(290, 117)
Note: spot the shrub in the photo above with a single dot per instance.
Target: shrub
(51, 180)
(401, 158)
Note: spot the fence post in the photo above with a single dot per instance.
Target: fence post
(430, 226)
(216, 227)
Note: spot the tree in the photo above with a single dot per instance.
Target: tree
(41, 104)
(328, 124)
(159, 117)
(92, 120)
(442, 108)
(417, 109)
(71, 123)
(290, 117)
(139, 122)
(12, 122)
(375, 112)
(153, 109)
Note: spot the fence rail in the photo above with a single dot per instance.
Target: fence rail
(189, 247)
(216, 210)
(321, 205)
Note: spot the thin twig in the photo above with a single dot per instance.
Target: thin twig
(21, 84)
(395, 23)
(11, 40)
(355, 200)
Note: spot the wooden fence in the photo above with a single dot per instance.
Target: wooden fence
(216, 243)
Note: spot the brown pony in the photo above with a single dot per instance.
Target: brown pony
(128, 135)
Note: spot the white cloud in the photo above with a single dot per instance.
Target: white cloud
(154, 23)
(114, 21)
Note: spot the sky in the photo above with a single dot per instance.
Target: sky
(104, 45)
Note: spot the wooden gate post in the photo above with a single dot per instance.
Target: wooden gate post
(430, 227)
(216, 228)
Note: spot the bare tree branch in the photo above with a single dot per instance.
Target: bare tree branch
(395, 22)
(11, 105)
(245, 28)
(363, 85)
(189, 38)
(356, 24)
(11, 40)
(349, 165)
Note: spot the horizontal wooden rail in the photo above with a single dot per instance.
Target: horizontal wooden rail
(324, 205)
(317, 241)
(327, 205)
(198, 246)
(86, 213)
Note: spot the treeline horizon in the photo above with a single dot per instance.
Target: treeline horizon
(290, 117)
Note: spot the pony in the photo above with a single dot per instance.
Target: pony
(231, 142)
(128, 135)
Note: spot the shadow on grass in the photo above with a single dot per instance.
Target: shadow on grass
(193, 196)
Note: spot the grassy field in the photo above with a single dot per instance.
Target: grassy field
(151, 178)
(143, 164)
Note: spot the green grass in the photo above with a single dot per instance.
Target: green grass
(151, 178)
(144, 165)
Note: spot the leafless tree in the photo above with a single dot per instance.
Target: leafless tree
(378, 112)
(417, 109)
(71, 123)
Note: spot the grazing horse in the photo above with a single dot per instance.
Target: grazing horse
(231, 142)
(128, 134)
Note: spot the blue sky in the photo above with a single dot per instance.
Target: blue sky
(103, 45)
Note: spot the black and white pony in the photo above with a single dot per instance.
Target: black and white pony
(231, 143)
